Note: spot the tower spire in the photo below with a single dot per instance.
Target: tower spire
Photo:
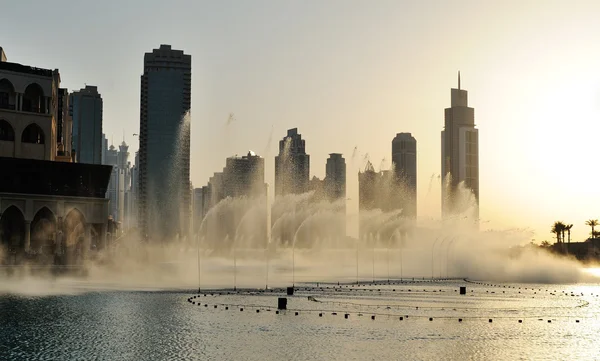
(459, 80)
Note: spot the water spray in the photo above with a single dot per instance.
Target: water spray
(432, 254)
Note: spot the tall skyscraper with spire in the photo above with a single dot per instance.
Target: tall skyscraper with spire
(460, 158)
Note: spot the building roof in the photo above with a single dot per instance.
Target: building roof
(19, 68)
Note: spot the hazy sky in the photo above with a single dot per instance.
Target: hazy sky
(352, 74)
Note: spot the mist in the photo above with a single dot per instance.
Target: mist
(306, 242)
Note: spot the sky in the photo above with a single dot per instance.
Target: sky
(351, 74)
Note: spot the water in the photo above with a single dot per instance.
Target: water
(163, 325)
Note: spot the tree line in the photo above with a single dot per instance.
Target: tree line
(559, 228)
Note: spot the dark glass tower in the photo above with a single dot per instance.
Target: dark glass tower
(164, 178)
(404, 158)
(292, 165)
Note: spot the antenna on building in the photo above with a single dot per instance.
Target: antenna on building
(459, 80)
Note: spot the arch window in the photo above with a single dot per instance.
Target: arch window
(7, 95)
(33, 99)
(12, 229)
(33, 134)
(6, 131)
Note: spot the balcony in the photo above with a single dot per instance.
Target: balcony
(7, 106)
(32, 109)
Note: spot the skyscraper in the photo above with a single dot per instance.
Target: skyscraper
(292, 165)
(460, 157)
(335, 176)
(404, 159)
(119, 187)
(104, 148)
(242, 177)
(86, 112)
(164, 178)
(375, 194)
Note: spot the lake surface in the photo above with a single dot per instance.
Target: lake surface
(170, 325)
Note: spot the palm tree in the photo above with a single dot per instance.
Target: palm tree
(568, 228)
(558, 229)
(592, 223)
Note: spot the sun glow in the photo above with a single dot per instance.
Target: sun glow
(593, 271)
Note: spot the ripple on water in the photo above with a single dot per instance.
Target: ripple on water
(161, 325)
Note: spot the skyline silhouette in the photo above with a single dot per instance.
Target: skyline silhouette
(352, 75)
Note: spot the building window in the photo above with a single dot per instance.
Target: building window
(33, 99)
(7, 95)
(6, 131)
(33, 134)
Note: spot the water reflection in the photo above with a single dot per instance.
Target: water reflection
(163, 326)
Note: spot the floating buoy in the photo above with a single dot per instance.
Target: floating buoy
(282, 303)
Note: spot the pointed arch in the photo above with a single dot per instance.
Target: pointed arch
(33, 134)
(7, 133)
(33, 99)
(73, 227)
(12, 229)
(7, 95)
(43, 234)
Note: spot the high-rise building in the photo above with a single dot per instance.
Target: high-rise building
(460, 157)
(64, 128)
(404, 160)
(86, 111)
(164, 183)
(120, 186)
(335, 176)
(292, 165)
(376, 189)
(242, 177)
(133, 198)
(104, 148)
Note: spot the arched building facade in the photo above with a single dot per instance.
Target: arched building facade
(52, 210)
(50, 230)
